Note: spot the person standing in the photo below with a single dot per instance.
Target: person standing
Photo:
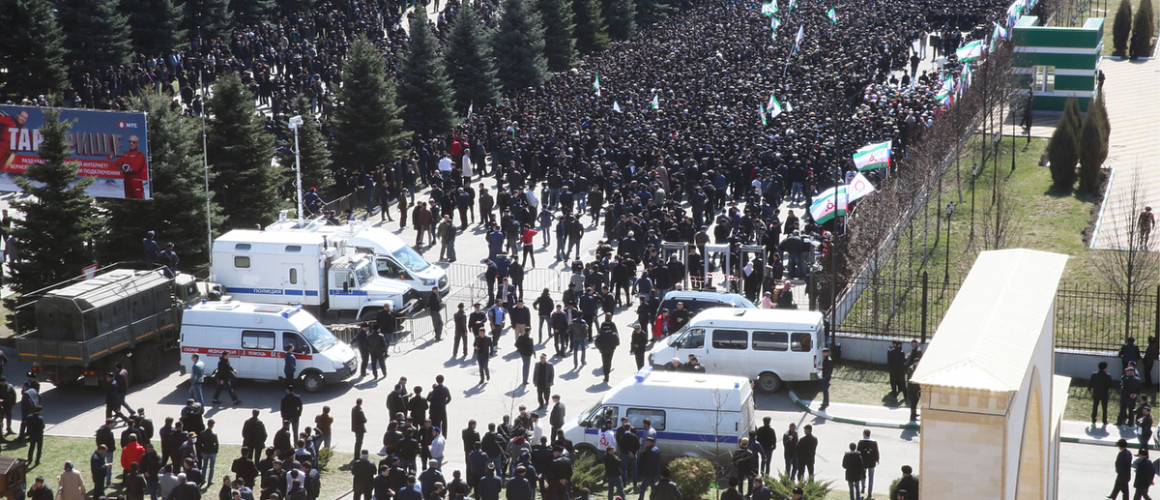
(613, 480)
(435, 309)
(290, 365)
(1129, 353)
(363, 472)
(543, 377)
(743, 468)
(767, 438)
(207, 450)
(70, 485)
(606, 342)
(225, 376)
(789, 442)
(914, 355)
(1123, 470)
(98, 467)
(291, 408)
(437, 401)
(908, 483)
(1098, 386)
(1150, 354)
(196, 379)
(460, 320)
(1145, 475)
(360, 341)
(254, 435)
(377, 344)
(526, 349)
(869, 450)
(913, 394)
(827, 374)
(483, 348)
(648, 465)
(1129, 391)
(807, 450)
(358, 423)
(638, 344)
(1146, 221)
(544, 306)
(855, 471)
(557, 415)
(896, 364)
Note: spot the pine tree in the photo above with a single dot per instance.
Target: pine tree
(1093, 148)
(251, 12)
(649, 12)
(208, 19)
(1062, 151)
(424, 90)
(1122, 28)
(559, 33)
(591, 31)
(155, 25)
(1142, 30)
(366, 126)
(95, 35)
(621, 16)
(315, 158)
(240, 154)
(292, 7)
(470, 65)
(519, 46)
(58, 226)
(32, 51)
(177, 178)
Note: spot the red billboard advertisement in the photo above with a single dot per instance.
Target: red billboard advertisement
(109, 146)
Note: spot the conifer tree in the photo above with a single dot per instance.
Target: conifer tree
(1063, 151)
(315, 158)
(240, 156)
(55, 235)
(251, 12)
(1143, 28)
(366, 126)
(424, 91)
(621, 16)
(591, 30)
(649, 12)
(209, 19)
(155, 26)
(1093, 147)
(470, 65)
(96, 35)
(518, 44)
(32, 53)
(1122, 28)
(559, 33)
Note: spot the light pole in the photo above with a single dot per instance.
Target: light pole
(295, 122)
(950, 210)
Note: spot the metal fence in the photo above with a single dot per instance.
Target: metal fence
(1089, 319)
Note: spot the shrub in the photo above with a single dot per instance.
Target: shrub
(1063, 150)
(588, 472)
(693, 476)
(811, 490)
(1122, 28)
(1142, 30)
(1093, 148)
(324, 456)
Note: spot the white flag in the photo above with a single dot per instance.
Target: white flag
(860, 186)
(616, 107)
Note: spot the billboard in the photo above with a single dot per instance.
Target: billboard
(106, 145)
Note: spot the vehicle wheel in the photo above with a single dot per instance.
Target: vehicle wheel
(146, 362)
(769, 382)
(312, 382)
(584, 450)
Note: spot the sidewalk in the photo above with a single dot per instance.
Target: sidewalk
(899, 418)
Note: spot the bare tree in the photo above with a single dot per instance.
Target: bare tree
(1131, 266)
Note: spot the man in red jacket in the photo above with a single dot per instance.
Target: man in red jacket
(134, 167)
(131, 453)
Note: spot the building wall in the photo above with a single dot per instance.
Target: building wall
(974, 423)
(1073, 52)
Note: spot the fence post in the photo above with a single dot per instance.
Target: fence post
(1156, 324)
(922, 330)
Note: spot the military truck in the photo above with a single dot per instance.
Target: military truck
(129, 316)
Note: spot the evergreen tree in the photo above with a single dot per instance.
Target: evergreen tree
(1093, 148)
(424, 90)
(621, 16)
(519, 46)
(1062, 151)
(559, 33)
(469, 62)
(240, 155)
(315, 158)
(366, 126)
(251, 12)
(1122, 28)
(177, 178)
(1142, 30)
(209, 19)
(649, 12)
(292, 7)
(58, 225)
(155, 26)
(95, 35)
(591, 31)
(32, 51)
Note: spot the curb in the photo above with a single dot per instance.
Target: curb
(842, 420)
(1066, 439)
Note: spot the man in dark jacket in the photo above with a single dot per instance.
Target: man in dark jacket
(742, 464)
(896, 364)
(868, 448)
(1099, 386)
(767, 437)
(606, 342)
(437, 401)
(1123, 470)
(543, 377)
(519, 487)
(185, 490)
(254, 435)
(648, 465)
(1145, 474)
(363, 472)
(1129, 395)
(855, 471)
(358, 423)
(908, 483)
(559, 475)
(665, 489)
(807, 449)
(291, 409)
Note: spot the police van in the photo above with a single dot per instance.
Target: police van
(256, 336)
(770, 346)
(693, 414)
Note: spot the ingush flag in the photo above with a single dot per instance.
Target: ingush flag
(797, 41)
(873, 156)
(769, 9)
(656, 102)
(970, 52)
(761, 113)
(833, 15)
(596, 85)
(774, 106)
(859, 187)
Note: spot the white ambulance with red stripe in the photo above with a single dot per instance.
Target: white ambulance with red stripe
(256, 336)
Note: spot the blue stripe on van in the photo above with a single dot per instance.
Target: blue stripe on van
(684, 436)
(270, 291)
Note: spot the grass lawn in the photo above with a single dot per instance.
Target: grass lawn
(854, 382)
(1112, 5)
(335, 478)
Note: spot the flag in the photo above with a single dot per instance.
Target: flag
(792, 4)
(774, 106)
(943, 97)
(829, 204)
(797, 41)
(596, 85)
(656, 102)
(616, 107)
(788, 107)
(859, 187)
(769, 9)
(833, 15)
(873, 156)
(970, 52)
(470, 108)
(774, 23)
(761, 113)
(967, 75)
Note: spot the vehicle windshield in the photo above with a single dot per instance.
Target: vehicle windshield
(410, 259)
(319, 336)
(590, 414)
(364, 273)
(679, 335)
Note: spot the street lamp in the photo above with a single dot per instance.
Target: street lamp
(950, 210)
(295, 122)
